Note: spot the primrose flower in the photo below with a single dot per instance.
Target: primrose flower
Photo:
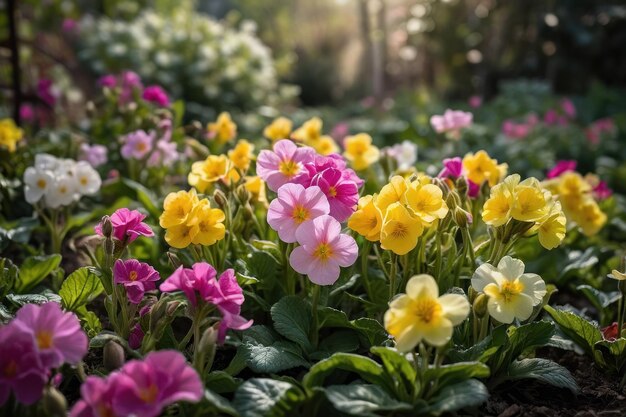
(284, 164)
(204, 173)
(342, 193)
(88, 180)
(96, 397)
(479, 167)
(62, 192)
(58, 336)
(405, 154)
(453, 169)
(525, 201)
(551, 231)
(207, 225)
(137, 145)
(279, 129)
(400, 229)
(177, 207)
(223, 129)
(227, 295)
(310, 131)
(590, 218)
(360, 151)
(367, 220)
(136, 277)
(196, 282)
(425, 201)
(128, 225)
(95, 155)
(10, 134)
(451, 121)
(256, 187)
(422, 315)
(323, 250)
(241, 155)
(21, 370)
(512, 293)
(325, 145)
(293, 206)
(37, 182)
(157, 95)
(561, 167)
(391, 193)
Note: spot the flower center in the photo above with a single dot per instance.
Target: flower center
(300, 214)
(41, 183)
(63, 189)
(149, 395)
(132, 276)
(323, 252)
(332, 192)
(426, 309)
(10, 370)
(84, 180)
(141, 146)
(510, 289)
(44, 339)
(399, 231)
(289, 168)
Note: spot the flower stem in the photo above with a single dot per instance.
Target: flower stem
(392, 275)
(314, 322)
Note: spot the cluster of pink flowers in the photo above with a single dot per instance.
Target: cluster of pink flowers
(600, 128)
(562, 116)
(128, 225)
(142, 145)
(453, 169)
(156, 94)
(600, 189)
(95, 155)
(38, 340)
(129, 84)
(201, 285)
(451, 121)
(519, 130)
(140, 388)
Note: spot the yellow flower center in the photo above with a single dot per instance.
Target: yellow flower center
(44, 339)
(63, 189)
(149, 395)
(300, 214)
(510, 289)
(399, 231)
(41, 183)
(84, 180)
(332, 192)
(426, 309)
(10, 370)
(132, 276)
(323, 252)
(289, 168)
(141, 147)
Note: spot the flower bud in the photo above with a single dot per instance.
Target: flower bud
(441, 183)
(472, 294)
(109, 247)
(453, 200)
(174, 260)
(54, 403)
(107, 227)
(461, 186)
(220, 198)
(208, 341)
(171, 307)
(112, 356)
(480, 305)
(243, 195)
(462, 218)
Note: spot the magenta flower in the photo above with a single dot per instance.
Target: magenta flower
(295, 205)
(46, 91)
(227, 295)
(552, 117)
(195, 282)
(453, 169)
(136, 333)
(58, 336)
(96, 397)
(69, 25)
(475, 101)
(320, 163)
(285, 164)
(108, 80)
(137, 145)
(323, 250)
(568, 108)
(515, 130)
(342, 193)
(27, 112)
(451, 120)
(144, 388)
(157, 95)
(95, 155)
(561, 167)
(128, 225)
(136, 277)
(21, 370)
(602, 191)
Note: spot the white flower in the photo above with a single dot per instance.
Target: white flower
(65, 167)
(62, 192)
(512, 293)
(88, 181)
(46, 161)
(36, 183)
(405, 154)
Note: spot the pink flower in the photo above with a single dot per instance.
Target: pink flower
(515, 130)
(137, 144)
(136, 334)
(342, 193)
(320, 163)
(453, 168)
(69, 25)
(95, 155)
(58, 336)
(568, 108)
(227, 295)
(323, 250)
(27, 112)
(295, 205)
(475, 101)
(340, 131)
(602, 126)
(285, 164)
(157, 95)
(46, 91)
(128, 225)
(602, 191)
(194, 282)
(21, 370)
(96, 397)
(561, 167)
(108, 80)
(136, 277)
(164, 154)
(451, 120)
(552, 117)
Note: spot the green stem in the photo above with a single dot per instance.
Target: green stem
(392, 275)
(365, 252)
(314, 322)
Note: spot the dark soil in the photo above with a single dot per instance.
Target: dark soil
(599, 393)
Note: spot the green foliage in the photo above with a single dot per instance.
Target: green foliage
(34, 270)
(80, 288)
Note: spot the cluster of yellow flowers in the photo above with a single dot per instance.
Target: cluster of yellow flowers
(310, 133)
(190, 220)
(525, 207)
(575, 195)
(480, 167)
(10, 134)
(360, 151)
(223, 129)
(400, 213)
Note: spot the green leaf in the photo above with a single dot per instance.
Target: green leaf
(220, 382)
(21, 299)
(279, 356)
(455, 372)
(613, 354)
(81, 287)
(579, 330)
(469, 393)
(397, 367)
(216, 405)
(34, 270)
(261, 397)
(292, 319)
(89, 320)
(543, 370)
(340, 341)
(528, 335)
(363, 400)
(366, 368)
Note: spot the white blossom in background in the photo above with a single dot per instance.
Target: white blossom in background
(404, 153)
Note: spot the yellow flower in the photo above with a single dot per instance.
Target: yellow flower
(391, 193)
(497, 208)
(241, 154)
(10, 134)
(615, 274)
(177, 207)
(530, 203)
(256, 187)
(208, 224)
(400, 230)
(551, 230)
(590, 218)
(223, 129)
(279, 129)
(310, 131)
(204, 173)
(180, 236)
(480, 168)
(367, 220)
(360, 151)
(421, 314)
(426, 202)
(325, 145)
